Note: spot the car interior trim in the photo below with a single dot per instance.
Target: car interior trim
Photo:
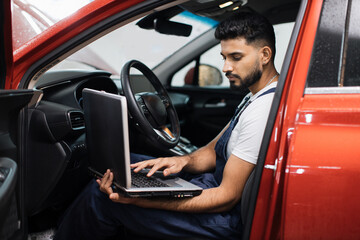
(55, 78)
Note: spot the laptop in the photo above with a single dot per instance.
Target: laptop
(107, 138)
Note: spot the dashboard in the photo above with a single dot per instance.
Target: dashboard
(65, 87)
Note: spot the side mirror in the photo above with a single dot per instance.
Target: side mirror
(208, 76)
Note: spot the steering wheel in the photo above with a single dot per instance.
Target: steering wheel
(151, 110)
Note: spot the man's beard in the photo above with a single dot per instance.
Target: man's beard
(246, 82)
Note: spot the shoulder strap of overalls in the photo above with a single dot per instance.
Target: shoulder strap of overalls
(241, 109)
(271, 90)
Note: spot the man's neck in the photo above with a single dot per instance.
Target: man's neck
(266, 79)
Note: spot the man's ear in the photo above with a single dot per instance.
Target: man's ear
(265, 54)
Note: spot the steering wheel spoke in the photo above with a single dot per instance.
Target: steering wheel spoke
(141, 104)
(165, 132)
(164, 100)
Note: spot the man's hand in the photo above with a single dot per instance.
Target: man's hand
(168, 165)
(105, 184)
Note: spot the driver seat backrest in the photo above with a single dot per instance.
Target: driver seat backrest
(245, 197)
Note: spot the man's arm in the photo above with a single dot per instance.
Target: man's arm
(219, 199)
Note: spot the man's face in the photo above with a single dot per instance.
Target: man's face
(241, 63)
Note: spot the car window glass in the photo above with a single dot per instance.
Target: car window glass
(32, 17)
(352, 54)
(325, 61)
(210, 74)
(129, 42)
(179, 78)
(211, 60)
(335, 57)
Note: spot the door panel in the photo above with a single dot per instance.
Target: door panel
(8, 174)
(11, 103)
(323, 168)
(207, 113)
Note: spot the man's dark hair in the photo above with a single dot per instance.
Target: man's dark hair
(252, 26)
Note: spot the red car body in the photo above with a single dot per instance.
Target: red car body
(308, 187)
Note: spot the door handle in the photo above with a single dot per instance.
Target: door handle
(215, 105)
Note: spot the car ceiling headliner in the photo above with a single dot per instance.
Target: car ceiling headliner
(277, 11)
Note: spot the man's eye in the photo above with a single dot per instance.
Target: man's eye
(236, 58)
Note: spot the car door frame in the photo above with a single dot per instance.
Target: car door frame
(12, 129)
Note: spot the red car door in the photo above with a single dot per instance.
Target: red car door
(321, 197)
(309, 187)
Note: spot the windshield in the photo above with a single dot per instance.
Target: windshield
(129, 42)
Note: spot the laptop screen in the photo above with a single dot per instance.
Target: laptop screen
(107, 135)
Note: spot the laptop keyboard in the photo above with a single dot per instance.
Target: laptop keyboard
(141, 180)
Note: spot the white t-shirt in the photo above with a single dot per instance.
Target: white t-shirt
(246, 137)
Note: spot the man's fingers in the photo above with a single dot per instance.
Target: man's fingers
(169, 165)
(106, 182)
(104, 179)
(171, 170)
(98, 181)
(114, 197)
(141, 165)
(158, 166)
(134, 165)
(109, 181)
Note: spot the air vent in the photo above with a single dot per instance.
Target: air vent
(77, 120)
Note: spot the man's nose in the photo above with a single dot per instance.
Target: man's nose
(227, 67)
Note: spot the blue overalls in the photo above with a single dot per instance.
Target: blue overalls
(94, 216)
